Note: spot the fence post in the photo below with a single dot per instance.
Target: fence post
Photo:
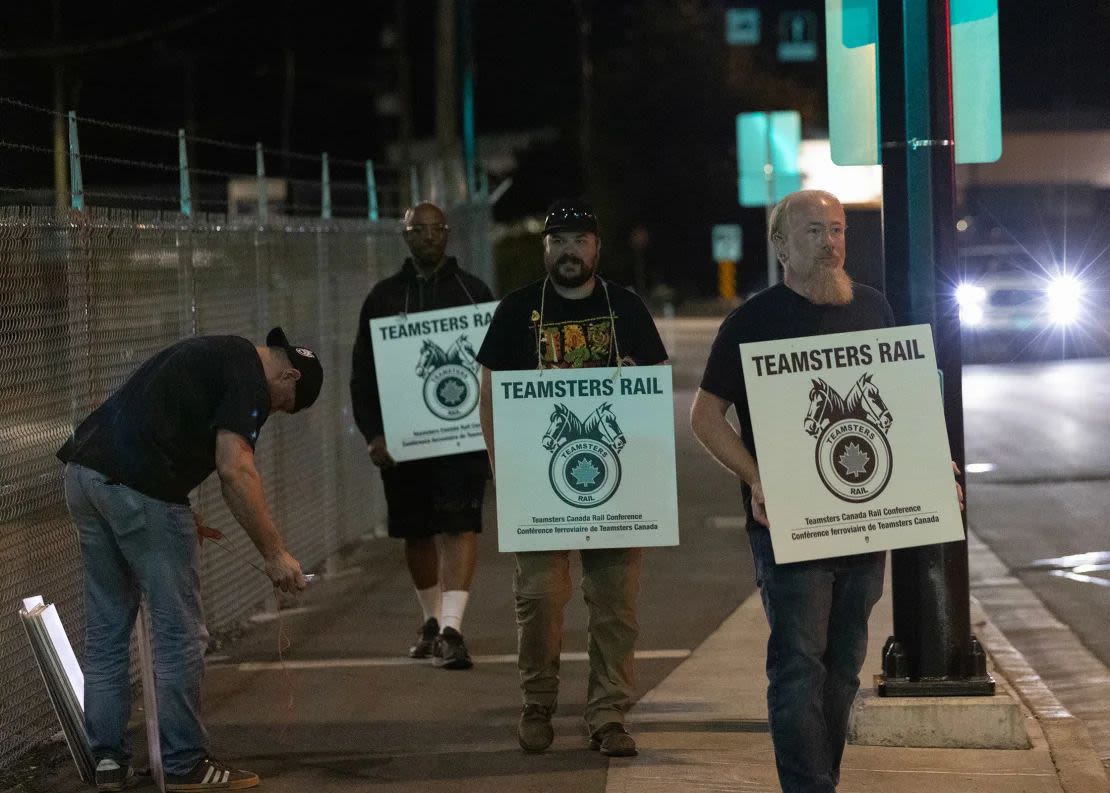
(371, 192)
(183, 169)
(325, 188)
(414, 186)
(263, 192)
(76, 185)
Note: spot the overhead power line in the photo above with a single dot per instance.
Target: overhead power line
(116, 42)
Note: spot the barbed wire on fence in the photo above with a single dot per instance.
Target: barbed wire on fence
(128, 179)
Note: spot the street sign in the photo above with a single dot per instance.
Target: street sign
(797, 36)
(742, 26)
(728, 240)
(767, 146)
(851, 50)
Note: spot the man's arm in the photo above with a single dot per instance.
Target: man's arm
(241, 486)
(485, 415)
(711, 428)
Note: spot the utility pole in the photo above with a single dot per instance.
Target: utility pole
(404, 89)
(446, 88)
(61, 151)
(466, 56)
(932, 651)
(584, 13)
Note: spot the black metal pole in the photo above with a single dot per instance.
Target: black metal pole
(932, 651)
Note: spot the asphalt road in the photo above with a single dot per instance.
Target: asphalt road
(1042, 434)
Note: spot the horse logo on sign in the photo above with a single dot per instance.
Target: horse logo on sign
(853, 456)
(450, 378)
(585, 469)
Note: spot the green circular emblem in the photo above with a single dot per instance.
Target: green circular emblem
(585, 473)
(451, 391)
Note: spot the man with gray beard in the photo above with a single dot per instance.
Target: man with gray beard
(817, 610)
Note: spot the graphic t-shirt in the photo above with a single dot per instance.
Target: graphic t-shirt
(573, 333)
(781, 313)
(157, 433)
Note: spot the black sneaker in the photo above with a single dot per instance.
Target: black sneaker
(613, 740)
(211, 774)
(452, 653)
(534, 732)
(425, 640)
(110, 775)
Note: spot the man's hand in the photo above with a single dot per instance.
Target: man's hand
(285, 572)
(379, 455)
(759, 504)
(205, 532)
(959, 490)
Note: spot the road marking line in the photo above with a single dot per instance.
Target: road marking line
(359, 663)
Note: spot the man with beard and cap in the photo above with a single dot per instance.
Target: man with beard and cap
(195, 407)
(572, 318)
(435, 504)
(817, 610)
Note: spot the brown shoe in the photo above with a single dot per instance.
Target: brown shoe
(534, 731)
(613, 740)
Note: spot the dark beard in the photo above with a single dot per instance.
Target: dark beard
(583, 276)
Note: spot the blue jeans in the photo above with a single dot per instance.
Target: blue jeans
(134, 545)
(818, 613)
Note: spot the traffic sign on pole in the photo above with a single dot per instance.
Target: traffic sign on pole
(797, 36)
(767, 147)
(852, 53)
(743, 26)
(728, 239)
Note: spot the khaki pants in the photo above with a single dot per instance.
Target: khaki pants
(610, 586)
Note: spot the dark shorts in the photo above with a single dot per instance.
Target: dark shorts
(436, 496)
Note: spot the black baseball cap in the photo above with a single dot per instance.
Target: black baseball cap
(304, 361)
(569, 215)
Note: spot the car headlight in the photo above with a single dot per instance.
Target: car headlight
(1065, 299)
(970, 299)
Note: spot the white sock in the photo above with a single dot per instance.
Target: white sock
(429, 601)
(107, 764)
(454, 606)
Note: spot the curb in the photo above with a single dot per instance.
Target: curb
(1078, 766)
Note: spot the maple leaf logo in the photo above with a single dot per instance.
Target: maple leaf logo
(585, 473)
(854, 460)
(451, 393)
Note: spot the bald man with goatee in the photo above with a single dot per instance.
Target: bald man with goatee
(817, 610)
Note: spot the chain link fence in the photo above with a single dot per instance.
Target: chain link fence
(85, 298)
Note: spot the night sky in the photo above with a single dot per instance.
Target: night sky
(673, 95)
(1053, 57)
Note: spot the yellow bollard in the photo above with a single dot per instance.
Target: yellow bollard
(726, 280)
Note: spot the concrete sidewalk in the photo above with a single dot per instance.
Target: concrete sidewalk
(705, 727)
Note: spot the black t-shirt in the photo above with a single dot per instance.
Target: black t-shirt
(575, 333)
(781, 313)
(157, 433)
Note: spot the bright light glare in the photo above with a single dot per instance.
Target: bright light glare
(970, 299)
(971, 314)
(979, 468)
(970, 295)
(1064, 299)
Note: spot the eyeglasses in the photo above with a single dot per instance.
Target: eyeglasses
(434, 228)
